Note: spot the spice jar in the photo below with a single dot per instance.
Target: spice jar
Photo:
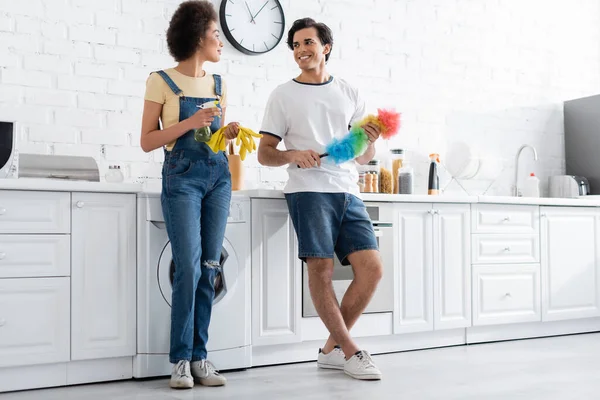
(397, 156)
(405, 180)
(372, 168)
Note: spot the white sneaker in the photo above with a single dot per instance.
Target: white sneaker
(181, 378)
(361, 366)
(204, 372)
(335, 359)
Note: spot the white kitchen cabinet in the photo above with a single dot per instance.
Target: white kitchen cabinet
(34, 321)
(433, 288)
(103, 276)
(276, 275)
(452, 266)
(570, 263)
(505, 295)
(34, 212)
(30, 256)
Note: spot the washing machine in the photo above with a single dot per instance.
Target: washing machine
(229, 343)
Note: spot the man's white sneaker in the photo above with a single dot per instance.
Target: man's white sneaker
(204, 372)
(181, 378)
(361, 366)
(335, 359)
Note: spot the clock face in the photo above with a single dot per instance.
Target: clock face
(252, 26)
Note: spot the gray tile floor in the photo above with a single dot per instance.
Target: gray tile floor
(565, 367)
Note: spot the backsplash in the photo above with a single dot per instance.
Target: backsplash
(491, 73)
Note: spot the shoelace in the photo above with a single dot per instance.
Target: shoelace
(365, 359)
(210, 368)
(182, 369)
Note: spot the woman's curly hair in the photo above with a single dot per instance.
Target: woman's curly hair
(188, 25)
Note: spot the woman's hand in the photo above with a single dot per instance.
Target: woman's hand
(232, 130)
(204, 117)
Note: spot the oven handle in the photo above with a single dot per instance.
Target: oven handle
(380, 230)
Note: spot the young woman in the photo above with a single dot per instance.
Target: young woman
(196, 185)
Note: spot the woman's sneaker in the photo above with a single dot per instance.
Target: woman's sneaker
(206, 374)
(361, 366)
(181, 378)
(335, 359)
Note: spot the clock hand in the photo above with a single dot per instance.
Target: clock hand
(261, 8)
(250, 12)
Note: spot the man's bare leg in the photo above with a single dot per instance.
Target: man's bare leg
(368, 270)
(320, 271)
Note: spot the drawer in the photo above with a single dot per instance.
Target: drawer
(34, 212)
(505, 295)
(34, 321)
(498, 218)
(505, 249)
(24, 256)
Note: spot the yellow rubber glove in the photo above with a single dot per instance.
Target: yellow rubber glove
(217, 141)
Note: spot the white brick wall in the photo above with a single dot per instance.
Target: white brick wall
(490, 72)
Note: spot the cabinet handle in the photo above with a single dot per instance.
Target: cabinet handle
(544, 214)
(80, 204)
(507, 295)
(2, 211)
(436, 212)
(507, 249)
(2, 322)
(2, 256)
(430, 212)
(506, 219)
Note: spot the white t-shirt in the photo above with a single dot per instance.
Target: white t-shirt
(307, 117)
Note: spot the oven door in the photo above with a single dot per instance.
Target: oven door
(383, 299)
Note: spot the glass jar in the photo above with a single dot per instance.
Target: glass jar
(372, 168)
(405, 180)
(397, 156)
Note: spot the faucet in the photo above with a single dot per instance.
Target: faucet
(535, 157)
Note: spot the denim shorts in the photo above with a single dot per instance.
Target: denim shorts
(328, 223)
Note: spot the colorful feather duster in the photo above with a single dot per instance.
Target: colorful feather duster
(356, 141)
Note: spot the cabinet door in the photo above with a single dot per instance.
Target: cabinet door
(103, 275)
(452, 266)
(413, 295)
(34, 321)
(570, 264)
(276, 275)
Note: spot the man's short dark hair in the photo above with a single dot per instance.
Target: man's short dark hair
(188, 25)
(323, 31)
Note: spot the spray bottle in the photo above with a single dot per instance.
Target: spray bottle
(204, 134)
(433, 186)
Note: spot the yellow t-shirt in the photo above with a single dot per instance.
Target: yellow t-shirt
(158, 91)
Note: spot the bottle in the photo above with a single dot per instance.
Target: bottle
(433, 186)
(531, 187)
(204, 134)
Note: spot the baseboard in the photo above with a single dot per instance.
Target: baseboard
(307, 351)
(64, 374)
(496, 333)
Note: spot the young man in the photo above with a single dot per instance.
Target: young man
(329, 218)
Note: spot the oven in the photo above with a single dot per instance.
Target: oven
(381, 215)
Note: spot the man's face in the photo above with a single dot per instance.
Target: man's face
(309, 53)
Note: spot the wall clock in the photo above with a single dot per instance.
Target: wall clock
(252, 26)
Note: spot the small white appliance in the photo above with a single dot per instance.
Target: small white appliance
(229, 343)
(569, 186)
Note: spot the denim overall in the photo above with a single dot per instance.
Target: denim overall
(196, 192)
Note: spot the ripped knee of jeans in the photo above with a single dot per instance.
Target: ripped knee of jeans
(211, 264)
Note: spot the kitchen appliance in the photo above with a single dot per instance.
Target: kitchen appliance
(229, 346)
(58, 167)
(8, 153)
(568, 186)
(383, 300)
(582, 140)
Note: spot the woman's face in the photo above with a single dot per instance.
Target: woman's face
(211, 45)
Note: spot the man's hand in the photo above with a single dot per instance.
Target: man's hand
(306, 158)
(232, 130)
(372, 131)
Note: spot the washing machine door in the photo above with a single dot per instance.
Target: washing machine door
(225, 280)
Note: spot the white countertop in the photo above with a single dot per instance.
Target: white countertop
(60, 185)
(586, 201)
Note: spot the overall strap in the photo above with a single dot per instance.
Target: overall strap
(170, 82)
(218, 86)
